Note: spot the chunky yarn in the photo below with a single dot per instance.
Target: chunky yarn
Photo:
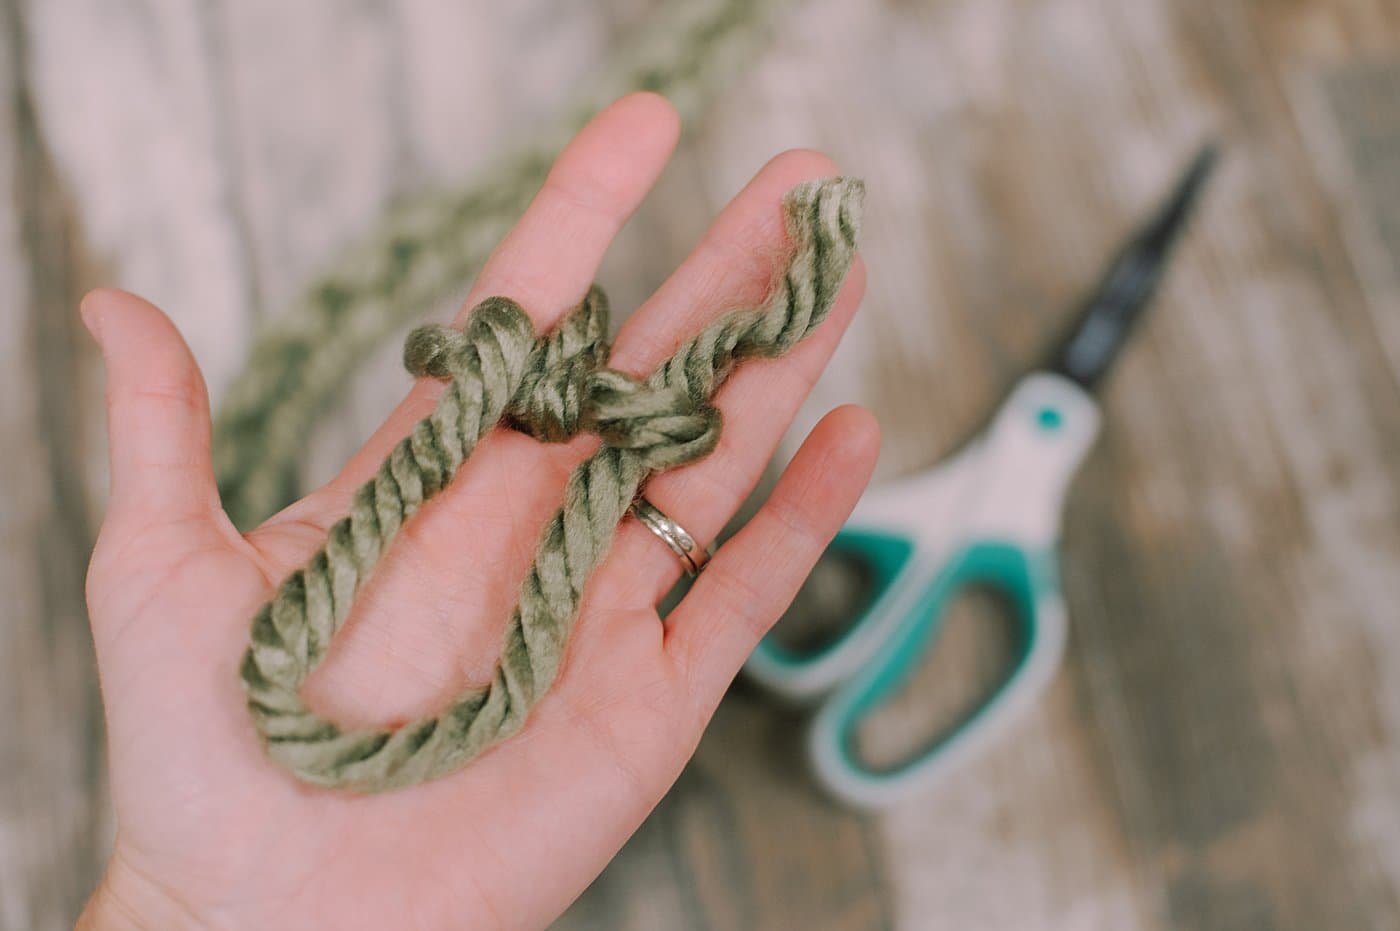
(553, 388)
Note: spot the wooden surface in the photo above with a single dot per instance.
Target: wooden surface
(1222, 747)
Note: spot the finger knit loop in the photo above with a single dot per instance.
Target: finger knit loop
(549, 404)
(662, 424)
(567, 389)
(553, 387)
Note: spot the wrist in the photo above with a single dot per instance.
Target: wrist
(126, 900)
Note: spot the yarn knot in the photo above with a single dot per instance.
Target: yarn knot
(566, 387)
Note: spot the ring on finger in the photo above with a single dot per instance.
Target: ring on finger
(692, 555)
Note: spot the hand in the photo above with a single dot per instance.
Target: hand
(213, 834)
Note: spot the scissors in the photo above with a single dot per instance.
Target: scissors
(989, 517)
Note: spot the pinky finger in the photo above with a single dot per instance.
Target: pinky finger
(753, 578)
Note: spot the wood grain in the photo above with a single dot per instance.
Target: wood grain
(1220, 750)
(53, 821)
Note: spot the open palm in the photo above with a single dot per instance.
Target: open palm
(213, 834)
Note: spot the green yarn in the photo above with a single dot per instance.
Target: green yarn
(423, 249)
(553, 388)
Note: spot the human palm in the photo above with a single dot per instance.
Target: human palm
(213, 834)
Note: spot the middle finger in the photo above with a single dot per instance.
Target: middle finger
(734, 266)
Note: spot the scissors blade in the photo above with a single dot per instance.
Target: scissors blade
(1106, 320)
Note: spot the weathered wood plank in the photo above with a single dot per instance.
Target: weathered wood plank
(140, 132)
(52, 782)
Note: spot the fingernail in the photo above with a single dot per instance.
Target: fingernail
(91, 314)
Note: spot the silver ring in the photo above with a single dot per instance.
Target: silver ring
(692, 555)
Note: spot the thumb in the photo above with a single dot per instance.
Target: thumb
(157, 414)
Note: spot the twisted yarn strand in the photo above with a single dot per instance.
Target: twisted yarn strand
(553, 388)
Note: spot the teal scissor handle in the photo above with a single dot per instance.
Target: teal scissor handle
(1029, 583)
(886, 556)
(899, 555)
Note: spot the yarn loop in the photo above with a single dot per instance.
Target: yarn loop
(552, 387)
